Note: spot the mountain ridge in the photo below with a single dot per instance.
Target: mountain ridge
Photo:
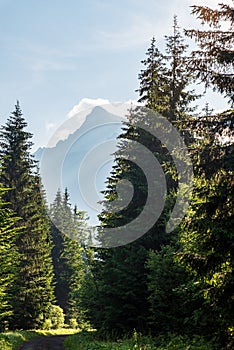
(93, 142)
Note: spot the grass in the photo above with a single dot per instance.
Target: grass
(88, 341)
(13, 340)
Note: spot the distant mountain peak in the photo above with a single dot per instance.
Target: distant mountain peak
(82, 161)
(78, 115)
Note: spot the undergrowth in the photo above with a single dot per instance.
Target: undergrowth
(89, 341)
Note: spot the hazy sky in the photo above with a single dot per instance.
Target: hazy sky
(54, 53)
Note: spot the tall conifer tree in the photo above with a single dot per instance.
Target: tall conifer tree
(33, 290)
(207, 231)
(153, 87)
(179, 77)
(121, 273)
(8, 261)
(68, 229)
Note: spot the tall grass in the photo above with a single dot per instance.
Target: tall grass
(88, 341)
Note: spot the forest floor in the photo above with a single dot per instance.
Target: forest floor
(54, 342)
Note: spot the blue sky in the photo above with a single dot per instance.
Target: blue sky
(54, 53)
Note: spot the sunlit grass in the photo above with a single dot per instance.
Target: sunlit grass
(88, 341)
(12, 340)
(85, 340)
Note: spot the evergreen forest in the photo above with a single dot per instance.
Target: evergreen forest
(163, 284)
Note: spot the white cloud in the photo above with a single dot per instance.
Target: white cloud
(86, 104)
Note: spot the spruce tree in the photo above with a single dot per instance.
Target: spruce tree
(207, 231)
(168, 281)
(172, 294)
(179, 77)
(153, 87)
(68, 229)
(121, 273)
(8, 260)
(165, 78)
(214, 59)
(32, 290)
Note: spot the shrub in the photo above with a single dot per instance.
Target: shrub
(73, 323)
(56, 318)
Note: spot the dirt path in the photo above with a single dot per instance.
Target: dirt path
(54, 342)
